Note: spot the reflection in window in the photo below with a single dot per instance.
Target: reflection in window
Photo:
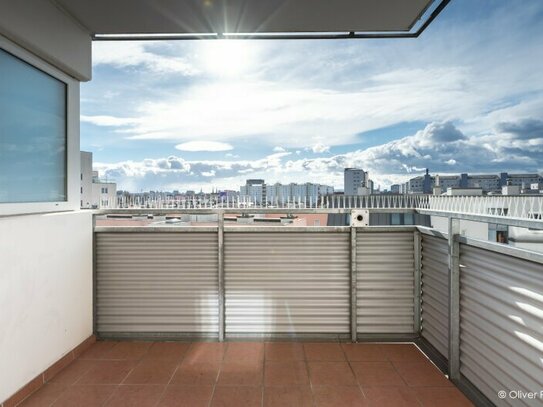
(32, 133)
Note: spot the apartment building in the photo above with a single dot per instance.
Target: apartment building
(489, 183)
(258, 191)
(94, 192)
(353, 179)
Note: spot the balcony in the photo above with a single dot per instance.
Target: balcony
(369, 314)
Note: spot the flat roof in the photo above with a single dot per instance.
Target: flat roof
(196, 19)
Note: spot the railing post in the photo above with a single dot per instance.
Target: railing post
(454, 299)
(354, 322)
(220, 230)
(417, 246)
(94, 278)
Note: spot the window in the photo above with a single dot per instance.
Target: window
(33, 133)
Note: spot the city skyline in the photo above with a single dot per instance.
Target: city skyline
(205, 114)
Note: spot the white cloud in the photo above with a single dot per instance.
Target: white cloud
(388, 163)
(108, 121)
(123, 54)
(320, 148)
(278, 149)
(296, 116)
(204, 146)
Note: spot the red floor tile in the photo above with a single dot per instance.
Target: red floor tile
(376, 374)
(338, 396)
(323, 352)
(45, 396)
(167, 350)
(241, 374)
(285, 374)
(242, 352)
(73, 372)
(403, 352)
(135, 396)
(211, 373)
(284, 351)
(152, 371)
(421, 374)
(128, 350)
(84, 396)
(107, 372)
(442, 397)
(331, 374)
(196, 374)
(245, 396)
(390, 397)
(98, 350)
(364, 352)
(186, 396)
(205, 352)
(292, 396)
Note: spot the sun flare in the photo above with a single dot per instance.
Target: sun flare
(227, 57)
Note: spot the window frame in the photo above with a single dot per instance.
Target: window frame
(72, 138)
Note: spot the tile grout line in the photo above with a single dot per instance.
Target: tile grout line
(218, 374)
(173, 374)
(313, 400)
(359, 386)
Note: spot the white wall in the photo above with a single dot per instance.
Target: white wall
(49, 33)
(45, 292)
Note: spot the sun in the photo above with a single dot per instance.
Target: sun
(227, 57)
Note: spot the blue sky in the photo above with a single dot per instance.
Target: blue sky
(466, 96)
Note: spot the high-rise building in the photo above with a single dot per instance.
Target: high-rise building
(354, 178)
(254, 190)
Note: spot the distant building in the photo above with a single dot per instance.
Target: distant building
(95, 193)
(489, 183)
(354, 179)
(456, 191)
(104, 193)
(254, 190)
(257, 191)
(395, 189)
(86, 180)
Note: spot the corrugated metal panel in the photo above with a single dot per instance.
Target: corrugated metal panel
(287, 282)
(157, 282)
(435, 292)
(501, 321)
(385, 266)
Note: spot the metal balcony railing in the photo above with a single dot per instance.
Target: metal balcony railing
(525, 207)
(475, 307)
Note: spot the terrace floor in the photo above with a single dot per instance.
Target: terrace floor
(249, 374)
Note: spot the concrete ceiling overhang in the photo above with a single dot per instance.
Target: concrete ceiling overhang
(119, 19)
